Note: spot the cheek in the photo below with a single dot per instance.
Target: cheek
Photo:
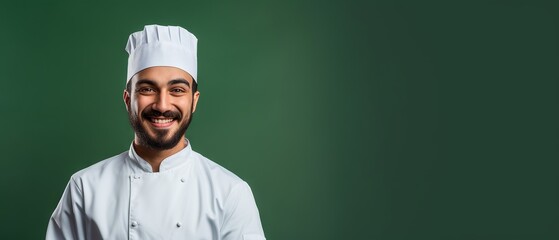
(138, 105)
(184, 104)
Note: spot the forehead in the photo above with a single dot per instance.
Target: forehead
(161, 75)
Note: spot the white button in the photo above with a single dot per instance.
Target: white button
(183, 180)
(137, 177)
(134, 224)
(179, 224)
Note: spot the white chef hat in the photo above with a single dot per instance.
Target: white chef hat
(157, 45)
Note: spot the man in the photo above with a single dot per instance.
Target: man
(160, 188)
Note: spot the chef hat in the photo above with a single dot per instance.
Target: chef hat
(162, 46)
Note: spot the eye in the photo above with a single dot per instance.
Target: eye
(178, 90)
(146, 90)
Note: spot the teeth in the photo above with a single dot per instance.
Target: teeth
(159, 120)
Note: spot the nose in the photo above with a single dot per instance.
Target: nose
(162, 103)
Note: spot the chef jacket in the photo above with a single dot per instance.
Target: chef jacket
(191, 198)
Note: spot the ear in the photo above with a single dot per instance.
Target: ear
(126, 98)
(195, 100)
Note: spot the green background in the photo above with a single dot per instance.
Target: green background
(349, 119)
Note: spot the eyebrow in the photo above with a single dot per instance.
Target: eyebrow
(172, 82)
(179, 81)
(145, 81)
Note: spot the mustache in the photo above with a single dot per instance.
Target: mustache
(151, 113)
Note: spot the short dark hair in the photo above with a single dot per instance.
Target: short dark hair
(194, 87)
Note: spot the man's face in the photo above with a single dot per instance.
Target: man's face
(160, 106)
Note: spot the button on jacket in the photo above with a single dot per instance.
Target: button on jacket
(191, 198)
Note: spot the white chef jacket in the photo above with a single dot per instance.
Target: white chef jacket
(191, 198)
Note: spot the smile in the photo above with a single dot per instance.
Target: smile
(162, 122)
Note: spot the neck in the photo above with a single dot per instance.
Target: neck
(155, 156)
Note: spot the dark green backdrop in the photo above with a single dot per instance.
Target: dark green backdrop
(349, 119)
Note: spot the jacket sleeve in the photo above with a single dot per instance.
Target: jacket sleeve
(67, 220)
(241, 218)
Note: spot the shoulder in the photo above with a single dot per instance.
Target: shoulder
(230, 191)
(110, 166)
(215, 172)
(222, 182)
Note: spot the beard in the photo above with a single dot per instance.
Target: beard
(160, 141)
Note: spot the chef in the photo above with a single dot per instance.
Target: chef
(160, 188)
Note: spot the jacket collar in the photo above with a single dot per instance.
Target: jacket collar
(168, 163)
